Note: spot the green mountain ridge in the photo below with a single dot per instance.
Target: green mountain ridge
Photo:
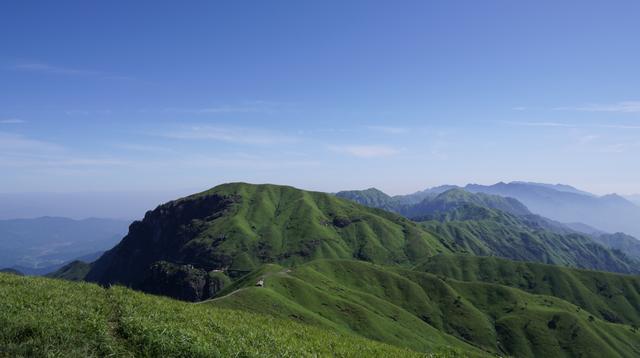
(237, 227)
(490, 225)
(332, 264)
(420, 309)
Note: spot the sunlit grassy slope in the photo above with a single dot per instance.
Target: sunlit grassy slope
(612, 297)
(53, 318)
(424, 311)
(237, 227)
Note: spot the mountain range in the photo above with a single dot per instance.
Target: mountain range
(474, 274)
(609, 213)
(516, 198)
(635, 198)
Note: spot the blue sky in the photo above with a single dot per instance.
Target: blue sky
(324, 95)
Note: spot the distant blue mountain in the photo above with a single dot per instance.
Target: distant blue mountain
(34, 245)
(609, 213)
(635, 198)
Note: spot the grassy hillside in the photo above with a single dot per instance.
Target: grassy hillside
(73, 271)
(371, 197)
(490, 225)
(612, 297)
(455, 198)
(619, 241)
(238, 227)
(52, 318)
(504, 235)
(421, 310)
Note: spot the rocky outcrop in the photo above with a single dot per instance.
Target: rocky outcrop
(184, 282)
(160, 236)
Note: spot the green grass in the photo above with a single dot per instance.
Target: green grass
(73, 271)
(491, 225)
(239, 227)
(612, 297)
(52, 318)
(428, 312)
(504, 235)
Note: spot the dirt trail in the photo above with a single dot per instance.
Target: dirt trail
(284, 272)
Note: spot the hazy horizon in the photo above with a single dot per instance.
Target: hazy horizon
(112, 97)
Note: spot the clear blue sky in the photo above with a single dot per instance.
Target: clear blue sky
(326, 95)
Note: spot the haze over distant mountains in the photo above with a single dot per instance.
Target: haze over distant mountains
(41, 245)
(609, 213)
(81, 205)
(634, 198)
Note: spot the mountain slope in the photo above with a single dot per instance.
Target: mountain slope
(237, 227)
(44, 317)
(635, 198)
(451, 200)
(619, 241)
(420, 310)
(371, 197)
(73, 271)
(610, 213)
(503, 235)
(611, 297)
(491, 225)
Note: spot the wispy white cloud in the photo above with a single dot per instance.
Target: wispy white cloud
(366, 151)
(20, 151)
(571, 125)
(257, 106)
(587, 139)
(12, 121)
(10, 143)
(621, 107)
(143, 148)
(388, 129)
(84, 112)
(243, 161)
(539, 124)
(238, 135)
(39, 67)
(618, 126)
(46, 68)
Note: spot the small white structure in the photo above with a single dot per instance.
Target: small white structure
(260, 283)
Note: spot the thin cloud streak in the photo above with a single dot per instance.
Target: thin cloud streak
(621, 107)
(570, 125)
(539, 124)
(12, 121)
(44, 68)
(388, 129)
(237, 135)
(19, 151)
(257, 106)
(366, 151)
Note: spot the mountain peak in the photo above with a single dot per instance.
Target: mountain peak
(181, 247)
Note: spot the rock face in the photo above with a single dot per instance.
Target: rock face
(183, 282)
(161, 236)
